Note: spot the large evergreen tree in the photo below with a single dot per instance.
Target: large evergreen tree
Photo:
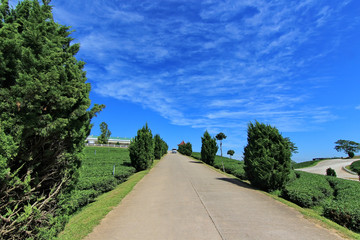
(44, 119)
(267, 157)
(160, 147)
(208, 148)
(141, 149)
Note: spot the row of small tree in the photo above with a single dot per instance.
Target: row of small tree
(144, 148)
(185, 149)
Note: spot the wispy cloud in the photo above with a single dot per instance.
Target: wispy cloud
(208, 64)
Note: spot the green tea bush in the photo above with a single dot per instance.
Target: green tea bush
(355, 166)
(231, 166)
(345, 207)
(96, 176)
(307, 189)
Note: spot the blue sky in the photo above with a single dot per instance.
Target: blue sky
(188, 66)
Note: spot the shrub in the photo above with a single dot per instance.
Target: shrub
(355, 166)
(344, 209)
(330, 172)
(185, 149)
(141, 150)
(307, 190)
(267, 157)
(208, 148)
(351, 154)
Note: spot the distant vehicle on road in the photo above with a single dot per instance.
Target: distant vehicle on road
(174, 150)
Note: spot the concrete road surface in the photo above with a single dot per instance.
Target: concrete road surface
(337, 165)
(183, 199)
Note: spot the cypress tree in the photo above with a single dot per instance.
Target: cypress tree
(208, 148)
(44, 119)
(267, 157)
(141, 149)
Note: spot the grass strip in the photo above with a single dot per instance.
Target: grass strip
(310, 214)
(83, 222)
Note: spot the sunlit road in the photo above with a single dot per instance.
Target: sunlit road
(183, 199)
(336, 164)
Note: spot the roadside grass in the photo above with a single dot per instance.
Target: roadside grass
(311, 214)
(82, 223)
(306, 164)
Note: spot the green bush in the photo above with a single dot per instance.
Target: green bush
(141, 149)
(231, 166)
(344, 209)
(307, 189)
(267, 157)
(351, 154)
(208, 148)
(330, 172)
(96, 176)
(355, 166)
(185, 149)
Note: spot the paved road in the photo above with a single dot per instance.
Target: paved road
(183, 199)
(336, 164)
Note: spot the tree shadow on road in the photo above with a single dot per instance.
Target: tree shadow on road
(237, 182)
(196, 162)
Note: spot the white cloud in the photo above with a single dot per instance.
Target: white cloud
(237, 56)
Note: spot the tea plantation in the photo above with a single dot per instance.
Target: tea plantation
(97, 176)
(335, 198)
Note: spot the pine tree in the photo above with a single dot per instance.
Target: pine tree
(208, 148)
(141, 149)
(44, 119)
(267, 157)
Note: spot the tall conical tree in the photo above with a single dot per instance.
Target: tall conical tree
(44, 120)
(141, 149)
(208, 148)
(267, 157)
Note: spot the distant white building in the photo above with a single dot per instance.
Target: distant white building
(112, 140)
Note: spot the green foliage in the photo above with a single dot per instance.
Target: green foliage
(231, 166)
(220, 136)
(349, 147)
(330, 172)
(293, 147)
(142, 149)
(267, 157)
(208, 148)
(160, 147)
(307, 190)
(231, 153)
(306, 164)
(97, 176)
(185, 149)
(44, 119)
(355, 167)
(344, 208)
(105, 133)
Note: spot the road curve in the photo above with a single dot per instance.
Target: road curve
(336, 164)
(183, 199)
